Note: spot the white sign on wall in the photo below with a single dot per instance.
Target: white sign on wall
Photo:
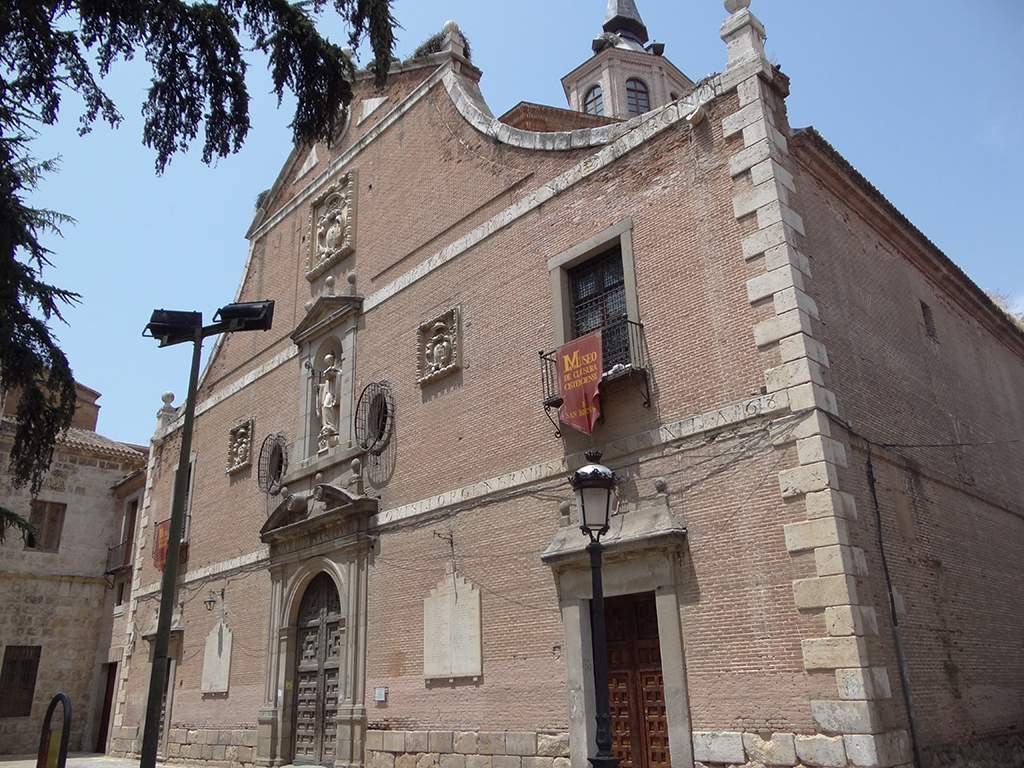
(217, 659)
(451, 630)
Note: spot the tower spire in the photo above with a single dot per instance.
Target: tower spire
(623, 19)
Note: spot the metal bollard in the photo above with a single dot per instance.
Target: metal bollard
(53, 745)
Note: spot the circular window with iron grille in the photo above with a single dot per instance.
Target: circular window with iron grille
(375, 415)
(273, 463)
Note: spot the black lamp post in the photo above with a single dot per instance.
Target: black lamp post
(594, 485)
(172, 327)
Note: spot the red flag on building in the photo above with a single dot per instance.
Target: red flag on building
(161, 536)
(580, 368)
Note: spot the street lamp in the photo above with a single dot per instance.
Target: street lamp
(594, 485)
(172, 327)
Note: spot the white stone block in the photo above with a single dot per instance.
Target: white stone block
(802, 345)
(843, 620)
(781, 326)
(752, 199)
(748, 157)
(846, 716)
(804, 397)
(794, 298)
(823, 751)
(770, 169)
(834, 560)
(820, 448)
(823, 592)
(718, 747)
(870, 619)
(822, 532)
(521, 743)
(778, 211)
(792, 374)
(881, 750)
(779, 750)
(751, 90)
(772, 282)
(786, 253)
(762, 240)
(831, 502)
(807, 479)
(863, 683)
(748, 115)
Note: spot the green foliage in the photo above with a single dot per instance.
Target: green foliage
(10, 520)
(196, 51)
(435, 44)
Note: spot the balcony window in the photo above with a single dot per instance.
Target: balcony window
(598, 292)
(593, 286)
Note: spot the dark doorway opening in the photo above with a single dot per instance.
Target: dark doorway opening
(108, 705)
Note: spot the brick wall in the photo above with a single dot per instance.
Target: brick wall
(949, 495)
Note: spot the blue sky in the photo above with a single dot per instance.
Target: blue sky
(923, 98)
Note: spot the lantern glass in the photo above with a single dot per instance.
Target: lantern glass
(593, 505)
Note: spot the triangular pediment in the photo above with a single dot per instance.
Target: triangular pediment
(326, 312)
(329, 505)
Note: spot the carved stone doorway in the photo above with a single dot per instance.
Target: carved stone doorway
(320, 632)
(635, 681)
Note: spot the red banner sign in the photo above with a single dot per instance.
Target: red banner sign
(161, 536)
(580, 369)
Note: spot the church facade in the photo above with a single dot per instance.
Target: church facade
(809, 408)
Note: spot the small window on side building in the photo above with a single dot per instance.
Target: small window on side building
(593, 102)
(47, 518)
(18, 679)
(929, 321)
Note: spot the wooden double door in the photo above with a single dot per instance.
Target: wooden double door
(319, 649)
(635, 684)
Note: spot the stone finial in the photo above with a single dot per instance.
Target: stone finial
(735, 6)
(167, 411)
(350, 278)
(356, 481)
(743, 34)
(329, 284)
(451, 28)
(308, 305)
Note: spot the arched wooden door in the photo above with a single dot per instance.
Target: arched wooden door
(319, 649)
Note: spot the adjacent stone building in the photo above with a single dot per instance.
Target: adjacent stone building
(64, 595)
(814, 416)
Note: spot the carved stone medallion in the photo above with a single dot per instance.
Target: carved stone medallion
(331, 226)
(240, 446)
(438, 345)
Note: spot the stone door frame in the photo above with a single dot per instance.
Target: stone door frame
(657, 571)
(290, 577)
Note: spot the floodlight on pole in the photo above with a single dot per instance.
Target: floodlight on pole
(171, 327)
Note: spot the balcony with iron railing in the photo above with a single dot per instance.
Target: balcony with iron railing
(119, 556)
(623, 355)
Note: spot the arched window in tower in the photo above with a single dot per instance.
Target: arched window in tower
(593, 104)
(638, 98)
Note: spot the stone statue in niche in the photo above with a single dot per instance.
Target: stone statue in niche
(330, 227)
(240, 446)
(328, 404)
(438, 343)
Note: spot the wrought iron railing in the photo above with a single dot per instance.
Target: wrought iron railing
(119, 556)
(624, 352)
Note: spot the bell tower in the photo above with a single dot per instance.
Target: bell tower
(627, 75)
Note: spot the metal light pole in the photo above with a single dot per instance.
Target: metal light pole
(175, 328)
(594, 485)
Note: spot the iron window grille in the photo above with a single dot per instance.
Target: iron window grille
(119, 556)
